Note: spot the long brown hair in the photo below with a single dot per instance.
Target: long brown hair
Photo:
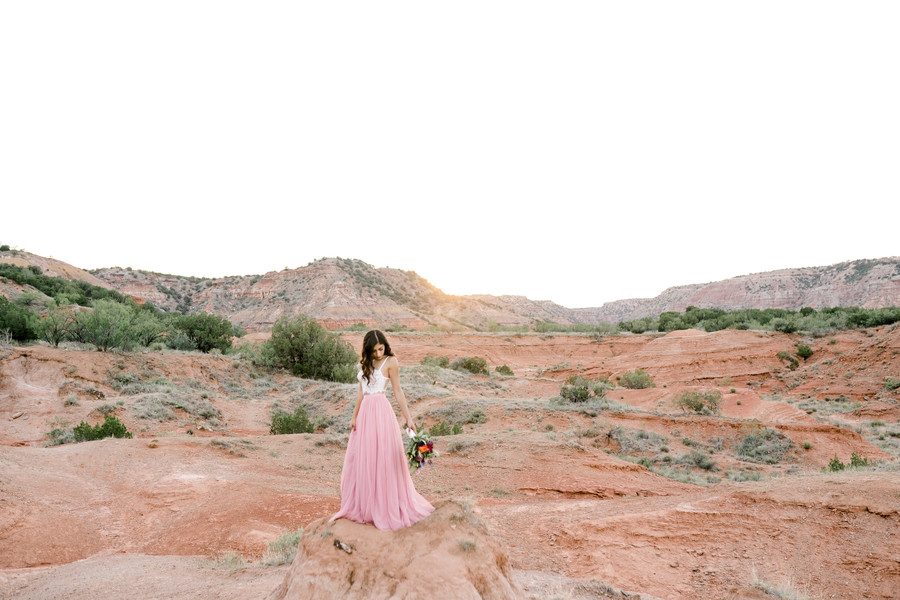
(372, 339)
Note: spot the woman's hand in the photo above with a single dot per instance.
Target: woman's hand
(411, 425)
(353, 423)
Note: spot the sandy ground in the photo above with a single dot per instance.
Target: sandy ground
(558, 486)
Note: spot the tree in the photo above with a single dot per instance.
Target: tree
(107, 326)
(55, 327)
(20, 322)
(309, 350)
(206, 331)
(146, 327)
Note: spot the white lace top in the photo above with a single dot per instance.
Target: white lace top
(378, 382)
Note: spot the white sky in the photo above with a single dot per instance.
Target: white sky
(580, 152)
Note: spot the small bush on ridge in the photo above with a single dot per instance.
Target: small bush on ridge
(581, 389)
(287, 423)
(111, 427)
(636, 380)
(476, 365)
(436, 361)
(704, 402)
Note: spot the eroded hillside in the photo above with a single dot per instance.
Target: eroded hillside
(625, 492)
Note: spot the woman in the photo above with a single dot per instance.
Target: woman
(375, 484)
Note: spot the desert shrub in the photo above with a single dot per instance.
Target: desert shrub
(504, 370)
(699, 459)
(639, 325)
(835, 464)
(474, 365)
(205, 331)
(286, 423)
(581, 389)
(4, 248)
(891, 383)
(804, 351)
(784, 325)
(60, 434)
(283, 550)
(636, 380)
(111, 427)
(705, 402)
(436, 361)
(785, 356)
(444, 428)
(636, 440)
(22, 323)
(857, 461)
(763, 445)
(307, 349)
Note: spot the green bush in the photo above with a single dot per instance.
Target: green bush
(698, 458)
(835, 464)
(4, 248)
(636, 380)
(804, 351)
(857, 461)
(504, 370)
(78, 292)
(436, 361)
(784, 325)
(107, 326)
(891, 383)
(111, 427)
(286, 423)
(307, 349)
(763, 445)
(705, 402)
(581, 389)
(205, 331)
(21, 323)
(476, 365)
(792, 362)
(444, 428)
(54, 327)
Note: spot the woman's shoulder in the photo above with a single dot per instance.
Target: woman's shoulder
(391, 361)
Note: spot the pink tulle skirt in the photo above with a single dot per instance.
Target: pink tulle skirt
(376, 487)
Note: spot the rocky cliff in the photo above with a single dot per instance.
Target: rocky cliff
(337, 292)
(341, 292)
(867, 283)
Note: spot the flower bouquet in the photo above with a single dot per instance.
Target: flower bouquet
(419, 450)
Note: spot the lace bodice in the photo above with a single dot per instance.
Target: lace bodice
(378, 382)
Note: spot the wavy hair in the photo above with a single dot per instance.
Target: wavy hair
(372, 339)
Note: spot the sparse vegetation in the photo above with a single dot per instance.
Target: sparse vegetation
(792, 363)
(283, 550)
(891, 383)
(436, 361)
(475, 366)
(84, 432)
(704, 402)
(763, 445)
(444, 428)
(804, 351)
(636, 380)
(581, 389)
(287, 423)
(504, 370)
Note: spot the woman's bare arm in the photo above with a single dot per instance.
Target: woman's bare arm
(394, 376)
